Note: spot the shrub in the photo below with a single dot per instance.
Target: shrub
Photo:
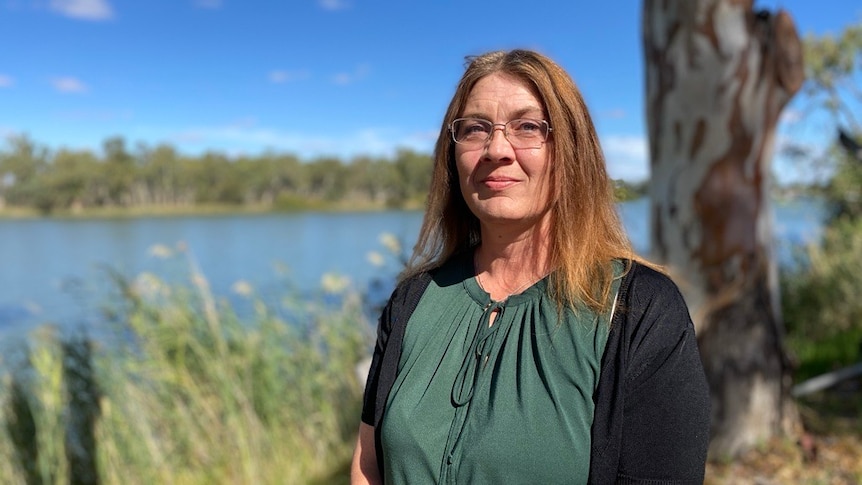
(821, 304)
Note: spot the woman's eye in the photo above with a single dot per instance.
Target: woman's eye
(526, 126)
(474, 127)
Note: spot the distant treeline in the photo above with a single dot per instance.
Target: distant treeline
(35, 177)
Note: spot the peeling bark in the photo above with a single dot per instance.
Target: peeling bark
(717, 76)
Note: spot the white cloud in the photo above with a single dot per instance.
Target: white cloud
(83, 9)
(790, 116)
(615, 114)
(346, 78)
(68, 85)
(95, 115)
(247, 138)
(333, 5)
(627, 157)
(342, 79)
(213, 4)
(6, 81)
(7, 132)
(281, 76)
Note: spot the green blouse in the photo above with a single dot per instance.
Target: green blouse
(506, 403)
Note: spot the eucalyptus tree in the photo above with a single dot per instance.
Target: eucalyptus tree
(326, 177)
(718, 74)
(413, 172)
(120, 171)
(371, 179)
(216, 180)
(833, 63)
(69, 183)
(268, 176)
(20, 169)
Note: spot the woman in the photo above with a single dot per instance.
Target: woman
(524, 342)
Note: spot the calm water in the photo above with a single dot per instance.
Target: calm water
(53, 270)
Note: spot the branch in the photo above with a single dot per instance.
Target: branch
(827, 380)
(852, 146)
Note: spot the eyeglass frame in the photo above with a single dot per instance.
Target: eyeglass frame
(504, 127)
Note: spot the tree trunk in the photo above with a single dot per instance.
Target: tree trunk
(717, 76)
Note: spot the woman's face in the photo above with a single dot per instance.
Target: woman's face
(501, 184)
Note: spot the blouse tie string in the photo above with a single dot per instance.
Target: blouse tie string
(477, 355)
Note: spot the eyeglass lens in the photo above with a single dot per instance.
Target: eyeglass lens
(521, 133)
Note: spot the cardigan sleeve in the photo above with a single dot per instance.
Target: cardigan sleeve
(666, 408)
(369, 400)
(387, 352)
(387, 349)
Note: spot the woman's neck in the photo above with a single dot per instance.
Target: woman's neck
(507, 262)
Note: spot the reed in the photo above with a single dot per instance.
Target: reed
(184, 391)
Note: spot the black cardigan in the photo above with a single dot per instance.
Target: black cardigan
(652, 403)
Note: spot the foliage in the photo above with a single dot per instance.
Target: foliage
(822, 311)
(624, 191)
(844, 190)
(821, 306)
(160, 180)
(186, 391)
(63, 181)
(832, 65)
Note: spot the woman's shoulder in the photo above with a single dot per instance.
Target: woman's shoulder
(646, 280)
(455, 267)
(652, 301)
(410, 287)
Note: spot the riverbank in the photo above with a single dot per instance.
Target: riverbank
(18, 213)
(292, 205)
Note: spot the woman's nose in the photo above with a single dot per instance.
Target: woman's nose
(498, 146)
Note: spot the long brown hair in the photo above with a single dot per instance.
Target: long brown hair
(586, 232)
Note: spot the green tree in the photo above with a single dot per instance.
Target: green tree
(20, 169)
(68, 184)
(822, 310)
(412, 176)
(326, 178)
(372, 179)
(160, 173)
(31, 176)
(833, 64)
(216, 180)
(270, 176)
(630, 190)
(832, 68)
(119, 172)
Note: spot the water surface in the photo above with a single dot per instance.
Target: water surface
(55, 269)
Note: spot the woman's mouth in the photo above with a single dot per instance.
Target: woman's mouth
(498, 183)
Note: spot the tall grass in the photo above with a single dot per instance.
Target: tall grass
(186, 392)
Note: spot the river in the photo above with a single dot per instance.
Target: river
(54, 270)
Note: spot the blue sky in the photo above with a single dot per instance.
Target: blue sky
(311, 77)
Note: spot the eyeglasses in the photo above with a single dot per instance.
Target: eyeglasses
(521, 133)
